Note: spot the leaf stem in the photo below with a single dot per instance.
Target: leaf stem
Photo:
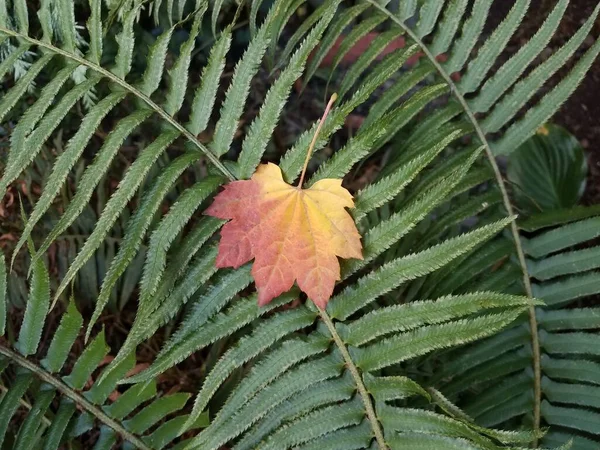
(362, 390)
(535, 343)
(315, 137)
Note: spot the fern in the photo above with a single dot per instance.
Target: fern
(307, 378)
(68, 388)
(563, 276)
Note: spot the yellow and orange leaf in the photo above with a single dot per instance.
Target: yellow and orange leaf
(293, 234)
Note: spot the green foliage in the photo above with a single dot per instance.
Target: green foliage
(431, 282)
(562, 274)
(560, 278)
(548, 171)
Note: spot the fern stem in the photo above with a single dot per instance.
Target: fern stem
(73, 395)
(131, 89)
(362, 390)
(537, 387)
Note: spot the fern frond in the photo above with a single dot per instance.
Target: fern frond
(394, 350)
(10, 402)
(63, 339)
(540, 113)
(87, 362)
(131, 181)
(385, 189)
(291, 162)
(321, 422)
(565, 263)
(376, 47)
(204, 98)
(513, 68)
(138, 226)
(353, 437)
(560, 292)
(237, 92)
(11, 98)
(131, 399)
(100, 391)
(335, 29)
(453, 277)
(178, 75)
(36, 430)
(154, 412)
(18, 161)
(416, 265)
(525, 88)
(59, 425)
(216, 297)
(448, 26)
(357, 33)
(93, 174)
(36, 310)
(186, 252)
(67, 160)
(321, 394)
(156, 61)
(272, 330)
(289, 354)
(169, 228)
(491, 49)
(94, 26)
(126, 41)
(390, 231)
(564, 334)
(369, 138)
(416, 314)
(299, 33)
(303, 376)
(261, 129)
(428, 17)
(404, 85)
(33, 115)
(151, 317)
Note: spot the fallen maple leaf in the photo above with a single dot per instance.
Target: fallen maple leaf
(293, 234)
